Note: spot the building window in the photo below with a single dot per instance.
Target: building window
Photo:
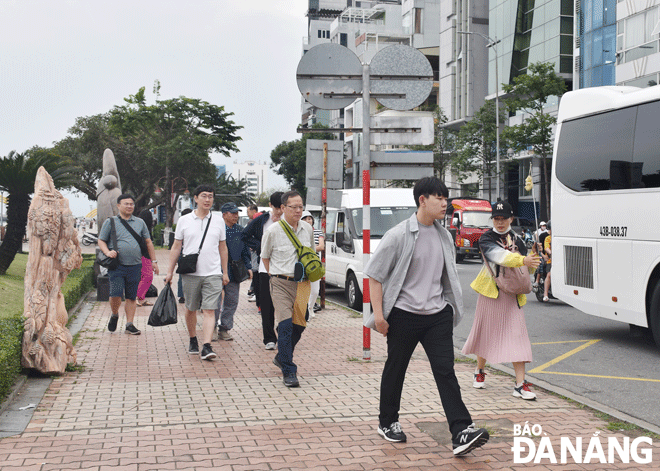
(638, 37)
(418, 20)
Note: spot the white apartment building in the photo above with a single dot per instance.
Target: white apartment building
(255, 173)
(637, 43)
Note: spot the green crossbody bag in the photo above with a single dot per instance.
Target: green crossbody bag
(311, 263)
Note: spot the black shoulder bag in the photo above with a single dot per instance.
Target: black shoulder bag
(140, 240)
(188, 263)
(102, 259)
(238, 269)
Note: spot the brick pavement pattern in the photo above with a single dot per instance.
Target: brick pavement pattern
(143, 403)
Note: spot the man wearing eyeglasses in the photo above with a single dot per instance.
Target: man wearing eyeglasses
(203, 287)
(290, 297)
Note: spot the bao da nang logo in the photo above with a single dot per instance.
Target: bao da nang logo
(595, 449)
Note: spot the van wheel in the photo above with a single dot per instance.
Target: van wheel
(353, 293)
(654, 315)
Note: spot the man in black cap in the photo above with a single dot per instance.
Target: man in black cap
(238, 252)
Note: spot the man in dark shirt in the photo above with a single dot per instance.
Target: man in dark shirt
(238, 251)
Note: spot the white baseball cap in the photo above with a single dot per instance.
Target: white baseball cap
(542, 223)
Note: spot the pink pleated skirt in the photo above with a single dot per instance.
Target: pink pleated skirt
(499, 333)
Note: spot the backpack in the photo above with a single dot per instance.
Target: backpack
(313, 268)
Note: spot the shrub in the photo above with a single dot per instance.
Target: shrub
(11, 333)
(157, 233)
(79, 282)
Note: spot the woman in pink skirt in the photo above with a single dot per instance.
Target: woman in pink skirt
(499, 333)
(147, 270)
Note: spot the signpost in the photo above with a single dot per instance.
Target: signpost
(400, 78)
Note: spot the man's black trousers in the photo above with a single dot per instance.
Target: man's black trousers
(434, 332)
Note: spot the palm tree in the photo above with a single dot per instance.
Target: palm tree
(17, 176)
(227, 189)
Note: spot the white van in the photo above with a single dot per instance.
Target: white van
(343, 246)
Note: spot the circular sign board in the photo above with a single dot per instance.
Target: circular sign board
(403, 65)
(329, 69)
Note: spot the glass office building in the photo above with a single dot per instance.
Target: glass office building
(530, 31)
(596, 41)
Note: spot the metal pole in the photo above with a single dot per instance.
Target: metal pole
(324, 207)
(366, 207)
(497, 122)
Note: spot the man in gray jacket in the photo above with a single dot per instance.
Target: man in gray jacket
(416, 297)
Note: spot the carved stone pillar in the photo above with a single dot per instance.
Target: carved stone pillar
(54, 251)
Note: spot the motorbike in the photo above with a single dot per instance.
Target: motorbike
(540, 289)
(89, 238)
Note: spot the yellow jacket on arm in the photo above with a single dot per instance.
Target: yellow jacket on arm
(495, 255)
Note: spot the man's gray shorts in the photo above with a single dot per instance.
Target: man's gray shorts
(202, 292)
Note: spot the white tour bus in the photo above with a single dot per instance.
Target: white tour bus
(606, 204)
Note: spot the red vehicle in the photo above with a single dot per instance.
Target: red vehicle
(467, 219)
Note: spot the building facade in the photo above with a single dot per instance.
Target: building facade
(637, 48)
(254, 173)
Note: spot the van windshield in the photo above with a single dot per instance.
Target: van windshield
(477, 219)
(382, 219)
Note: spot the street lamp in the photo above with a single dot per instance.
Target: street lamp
(493, 43)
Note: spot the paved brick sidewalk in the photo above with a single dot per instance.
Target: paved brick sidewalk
(143, 403)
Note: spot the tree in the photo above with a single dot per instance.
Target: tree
(18, 173)
(165, 144)
(87, 140)
(227, 189)
(289, 159)
(530, 93)
(476, 145)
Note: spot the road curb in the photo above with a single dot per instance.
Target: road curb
(570, 395)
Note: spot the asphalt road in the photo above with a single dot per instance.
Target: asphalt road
(595, 358)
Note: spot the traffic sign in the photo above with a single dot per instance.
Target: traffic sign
(401, 70)
(421, 121)
(401, 165)
(314, 164)
(326, 70)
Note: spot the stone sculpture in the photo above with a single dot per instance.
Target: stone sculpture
(54, 251)
(108, 190)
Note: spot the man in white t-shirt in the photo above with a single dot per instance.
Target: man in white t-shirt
(203, 287)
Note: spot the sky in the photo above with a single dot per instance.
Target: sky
(63, 59)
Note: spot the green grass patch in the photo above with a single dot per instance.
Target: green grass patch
(11, 287)
(77, 284)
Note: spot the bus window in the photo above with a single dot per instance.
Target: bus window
(590, 148)
(647, 144)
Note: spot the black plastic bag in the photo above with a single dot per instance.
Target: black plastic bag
(164, 310)
(152, 292)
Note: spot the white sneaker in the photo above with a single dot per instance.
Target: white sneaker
(524, 392)
(479, 380)
(270, 346)
(252, 298)
(545, 299)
